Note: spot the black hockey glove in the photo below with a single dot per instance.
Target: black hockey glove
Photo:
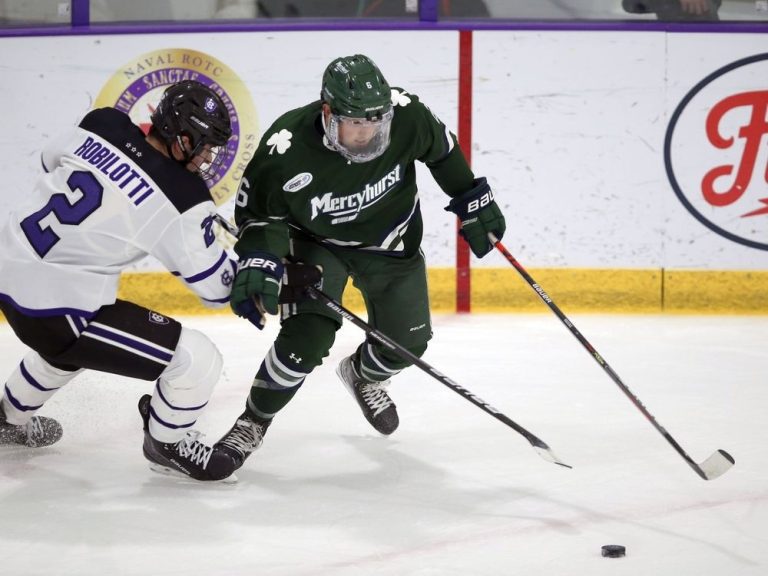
(256, 290)
(296, 278)
(479, 215)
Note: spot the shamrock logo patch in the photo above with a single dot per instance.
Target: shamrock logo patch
(400, 98)
(280, 141)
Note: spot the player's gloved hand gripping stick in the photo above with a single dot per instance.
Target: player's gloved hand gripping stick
(479, 216)
(542, 449)
(263, 281)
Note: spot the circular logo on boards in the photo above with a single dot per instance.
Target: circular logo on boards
(137, 86)
(716, 151)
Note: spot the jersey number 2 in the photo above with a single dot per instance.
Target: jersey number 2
(43, 238)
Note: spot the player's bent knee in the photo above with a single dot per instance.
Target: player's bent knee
(394, 360)
(418, 350)
(308, 337)
(195, 368)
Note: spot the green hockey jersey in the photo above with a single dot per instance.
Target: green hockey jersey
(297, 182)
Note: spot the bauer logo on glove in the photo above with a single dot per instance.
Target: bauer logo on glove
(479, 215)
(256, 290)
(269, 265)
(481, 202)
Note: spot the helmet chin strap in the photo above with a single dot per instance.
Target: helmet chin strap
(325, 126)
(326, 141)
(187, 158)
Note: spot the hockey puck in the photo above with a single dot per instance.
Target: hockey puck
(613, 551)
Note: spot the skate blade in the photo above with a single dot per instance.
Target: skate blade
(165, 471)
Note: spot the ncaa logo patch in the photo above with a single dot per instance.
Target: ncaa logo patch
(716, 151)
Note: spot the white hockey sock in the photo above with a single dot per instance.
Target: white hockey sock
(29, 386)
(373, 368)
(184, 387)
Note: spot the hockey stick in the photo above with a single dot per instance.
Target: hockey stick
(539, 445)
(716, 465)
(542, 449)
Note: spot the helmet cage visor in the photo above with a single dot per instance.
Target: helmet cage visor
(206, 159)
(359, 139)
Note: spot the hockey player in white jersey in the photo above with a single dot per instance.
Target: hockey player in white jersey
(110, 196)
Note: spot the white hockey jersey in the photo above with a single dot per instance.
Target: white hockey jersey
(108, 199)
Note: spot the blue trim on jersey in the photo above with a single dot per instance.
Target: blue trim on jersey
(210, 272)
(217, 300)
(45, 312)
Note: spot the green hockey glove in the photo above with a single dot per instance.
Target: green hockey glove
(256, 287)
(479, 215)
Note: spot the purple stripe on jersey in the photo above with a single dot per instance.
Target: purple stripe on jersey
(154, 415)
(217, 300)
(161, 355)
(206, 273)
(47, 312)
(18, 405)
(32, 382)
(172, 407)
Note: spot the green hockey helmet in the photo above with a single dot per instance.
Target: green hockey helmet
(361, 108)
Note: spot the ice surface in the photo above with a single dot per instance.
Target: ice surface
(452, 492)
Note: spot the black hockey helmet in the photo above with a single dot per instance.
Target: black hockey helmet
(189, 108)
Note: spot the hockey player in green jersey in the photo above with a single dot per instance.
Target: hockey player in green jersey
(333, 184)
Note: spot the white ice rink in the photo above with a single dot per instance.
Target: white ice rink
(452, 492)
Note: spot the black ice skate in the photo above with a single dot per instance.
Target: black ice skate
(38, 432)
(186, 458)
(243, 438)
(372, 397)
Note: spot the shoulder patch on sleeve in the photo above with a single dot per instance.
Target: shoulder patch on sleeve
(280, 141)
(400, 97)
